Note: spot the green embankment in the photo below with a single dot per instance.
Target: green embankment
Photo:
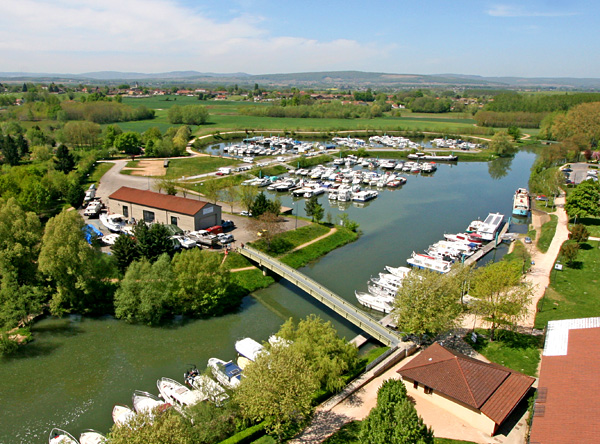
(547, 234)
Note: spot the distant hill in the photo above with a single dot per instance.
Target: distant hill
(327, 79)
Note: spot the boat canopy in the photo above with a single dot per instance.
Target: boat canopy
(249, 348)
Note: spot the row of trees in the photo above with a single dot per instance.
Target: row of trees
(429, 303)
(188, 114)
(538, 103)
(498, 119)
(320, 110)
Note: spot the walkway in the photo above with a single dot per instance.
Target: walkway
(325, 296)
(306, 244)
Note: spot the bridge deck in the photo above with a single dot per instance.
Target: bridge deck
(325, 296)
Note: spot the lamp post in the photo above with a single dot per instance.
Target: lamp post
(296, 212)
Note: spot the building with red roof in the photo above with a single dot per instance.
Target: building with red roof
(483, 394)
(187, 214)
(567, 408)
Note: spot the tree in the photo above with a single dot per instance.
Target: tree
(125, 251)
(501, 295)
(64, 161)
(514, 132)
(145, 292)
(579, 233)
(69, 263)
(164, 427)
(82, 134)
(152, 242)
(501, 144)
(211, 190)
(169, 185)
(581, 122)
(202, 283)
(394, 419)
(314, 209)
(111, 133)
(584, 200)
(569, 252)
(10, 150)
(75, 194)
(230, 194)
(175, 114)
(194, 115)
(128, 142)
(260, 205)
(427, 303)
(278, 388)
(248, 195)
(328, 355)
(269, 224)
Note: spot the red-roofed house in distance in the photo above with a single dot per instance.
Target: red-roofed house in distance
(187, 214)
(480, 393)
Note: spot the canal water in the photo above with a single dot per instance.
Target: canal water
(78, 368)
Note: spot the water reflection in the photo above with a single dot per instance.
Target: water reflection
(499, 167)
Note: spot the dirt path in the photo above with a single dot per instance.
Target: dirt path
(306, 244)
(540, 272)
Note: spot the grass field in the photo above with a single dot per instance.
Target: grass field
(547, 233)
(197, 165)
(573, 292)
(294, 238)
(592, 224)
(514, 350)
(99, 170)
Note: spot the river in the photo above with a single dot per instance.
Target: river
(77, 368)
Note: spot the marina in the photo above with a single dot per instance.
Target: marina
(117, 358)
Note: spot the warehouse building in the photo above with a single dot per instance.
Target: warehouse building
(151, 207)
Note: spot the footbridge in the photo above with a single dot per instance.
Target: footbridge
(325, 296)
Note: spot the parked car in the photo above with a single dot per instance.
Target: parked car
(527, 240)
(216, 229)
(246, 213)
(225, 238)
(227, 224)
(542, 198)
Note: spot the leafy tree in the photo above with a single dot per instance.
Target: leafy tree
(213, 424)
(230, 194)
(17, 301)
(247, 197)
(314, 209)
(350, 224)
(501, 295)
(169, 185)
(145, 292)
(569, 252)
(278, 388)
(579, 233)
(10, 150)
(125, 251)
(328, 355)
(514, 132)
(75, 194)
(201, 283)
(428, 303)
(211, 190)
(152, 133)
(64, 161)
(501, 144)
(194, 115)
(111, 133)
(584, 200)
(128, 142)
(175, 114)
(581, 121)
(82, 134)
(166, 427)
(394, 419)
(69, 263)
(152, 242)
(260, 205)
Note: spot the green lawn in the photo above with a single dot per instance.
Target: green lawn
(520, 254)
(99, 170)
(547, 234)
(573, 292)
(294, 238)
(197, 165)
(592, 224)
(514, 350)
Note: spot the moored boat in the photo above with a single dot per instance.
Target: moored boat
(210, 389)
(373, 302)
(144, 402)
(58, 436)
(121, 415)
(490, 226)
(177, 394)
(521, 202)
(227, 373)
(425, 261)
(248, 350)
(92, 437)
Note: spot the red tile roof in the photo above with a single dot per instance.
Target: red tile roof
(159, 201)
(491, 388)
(569, 410)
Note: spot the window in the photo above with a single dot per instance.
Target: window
(415, 385)
(148, 216)
(125, 211)
(174, 220)
(428, 390)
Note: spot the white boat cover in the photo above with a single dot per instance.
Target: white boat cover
(249, 348)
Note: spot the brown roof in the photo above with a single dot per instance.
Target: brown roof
(567, 409)
(159, 201)
(491, 388)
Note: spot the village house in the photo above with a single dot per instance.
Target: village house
(480, 393)
(187, 214)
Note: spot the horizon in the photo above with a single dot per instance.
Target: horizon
(490, 39)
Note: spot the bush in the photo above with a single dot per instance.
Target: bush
(246, 436)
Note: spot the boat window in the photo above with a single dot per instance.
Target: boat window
(125, 211)
(148, 216)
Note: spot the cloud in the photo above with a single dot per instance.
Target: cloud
(140, 35)
(503, 10)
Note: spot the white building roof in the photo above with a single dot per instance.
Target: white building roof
(557, 334)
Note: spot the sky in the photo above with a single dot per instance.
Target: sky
(507, 38)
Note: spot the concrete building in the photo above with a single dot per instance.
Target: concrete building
(480, 393)
(187, 214)
(567, 408)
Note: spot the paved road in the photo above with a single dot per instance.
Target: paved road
(579, 172)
